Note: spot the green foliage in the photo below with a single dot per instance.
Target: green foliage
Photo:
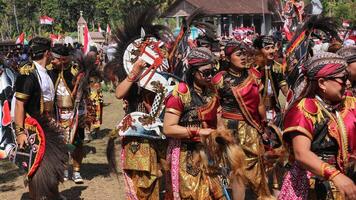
(65, 13)
(341, 9)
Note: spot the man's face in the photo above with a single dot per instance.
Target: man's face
(269, 51)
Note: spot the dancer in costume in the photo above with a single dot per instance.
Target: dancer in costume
(189, 117)
(67, 77)
(316, 125)
(242, 111)
(349, 53)
(271, 75)
(94, 104)
(140, 49)
(41, 151)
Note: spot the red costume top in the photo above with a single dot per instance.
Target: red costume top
(328, 130)
(239, 96)
(349, 116)
(199, 113)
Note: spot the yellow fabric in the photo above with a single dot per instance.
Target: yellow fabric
(250, 141)
(202, 186)
(142, 165)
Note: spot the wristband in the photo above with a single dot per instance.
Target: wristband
(192, 133)
(19, 130)
(328, 171)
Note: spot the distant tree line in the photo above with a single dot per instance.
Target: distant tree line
(18, 16)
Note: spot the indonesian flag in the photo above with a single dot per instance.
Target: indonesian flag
(108, 30)
(87, 40)
(46, 20)
(99, 28)
(55, 38)
(21, 38)
(346, 24)
(287, 32)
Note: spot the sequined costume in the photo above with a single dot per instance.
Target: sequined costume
(328, 133)
(272, 76)
(190, 179)
(327, 126)
(141, 157)
(95, 103)
(239, 99)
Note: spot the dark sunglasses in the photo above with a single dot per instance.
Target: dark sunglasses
(207, 73)
(340, 79)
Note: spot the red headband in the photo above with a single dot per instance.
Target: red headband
(328, 70)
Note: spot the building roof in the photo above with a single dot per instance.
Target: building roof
(97, 36)
(81, 21)
(216, 7)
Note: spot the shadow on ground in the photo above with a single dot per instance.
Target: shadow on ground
(9, 187)
(9, 171)
(92, 170)
(102, 133)
(72, 193)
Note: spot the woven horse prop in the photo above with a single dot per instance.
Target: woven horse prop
(7, 137)
(155, 79)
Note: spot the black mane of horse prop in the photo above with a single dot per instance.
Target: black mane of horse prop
(43, 159)
(299, 49)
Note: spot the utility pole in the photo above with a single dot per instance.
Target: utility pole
(17, 23)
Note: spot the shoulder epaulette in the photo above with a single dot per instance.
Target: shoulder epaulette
(181, 90)
(277, 67)
(350, 102)
(27, 69)
(49, 67)
(74, 70)
(311, 109)
(218, 79)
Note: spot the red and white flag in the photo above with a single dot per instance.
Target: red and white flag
(46, 20)
(55, 38)
(21, 38)
(108, 30)
(99, 28)
(87, 40)
(346, 23)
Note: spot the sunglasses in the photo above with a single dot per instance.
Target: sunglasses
(340, 79)
(207, 73)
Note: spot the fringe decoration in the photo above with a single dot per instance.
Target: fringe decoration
(314, 117)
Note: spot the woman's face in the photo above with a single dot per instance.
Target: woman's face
(202, 77)
(333, 89)
(238, 59)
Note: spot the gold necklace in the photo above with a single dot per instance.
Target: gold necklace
(234, 73)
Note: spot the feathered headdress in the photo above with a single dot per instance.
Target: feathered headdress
(299, 48)
(181, 46)
(137, 27)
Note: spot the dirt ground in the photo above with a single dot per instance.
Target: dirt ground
(98, 183)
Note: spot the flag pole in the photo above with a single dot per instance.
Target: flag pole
(263, 16)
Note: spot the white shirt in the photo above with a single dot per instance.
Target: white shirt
(46, 83)
(62, 89)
